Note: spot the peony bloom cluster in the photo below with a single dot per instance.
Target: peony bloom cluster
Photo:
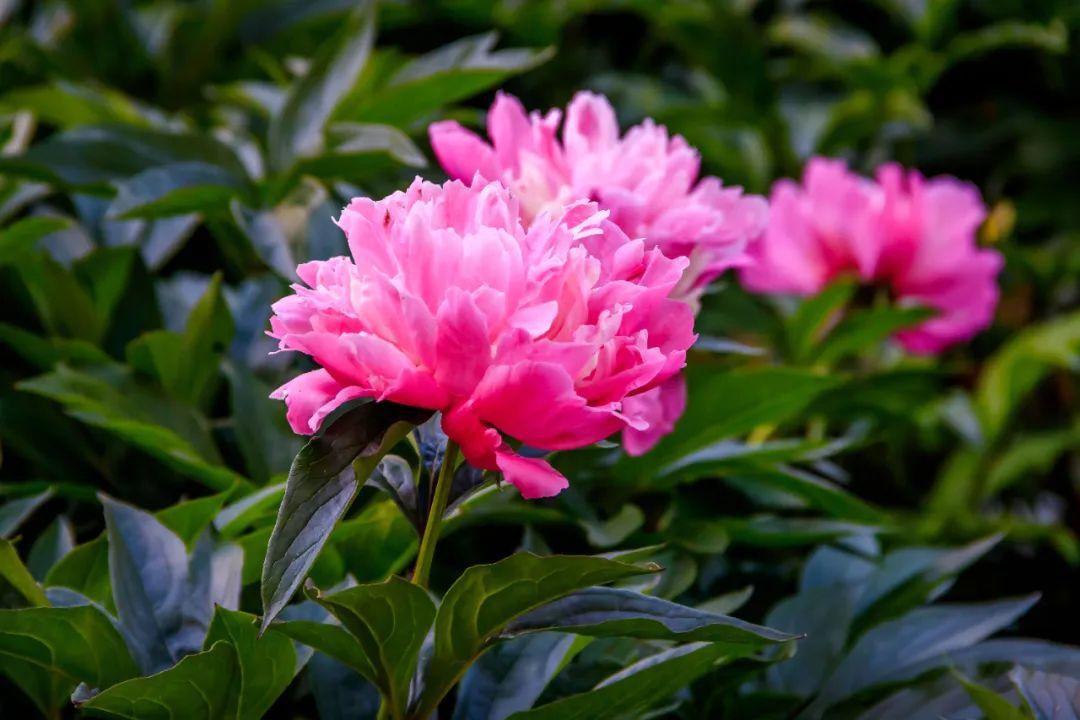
(543, 332)
(646, 179)
(915, 236)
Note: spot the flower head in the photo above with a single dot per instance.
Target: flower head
(915, 236)
(647, 179)
(449, 302)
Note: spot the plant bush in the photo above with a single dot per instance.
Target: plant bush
(843, 522)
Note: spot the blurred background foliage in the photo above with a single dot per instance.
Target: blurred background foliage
(166, 164)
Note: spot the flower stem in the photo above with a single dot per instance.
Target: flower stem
(439, 500)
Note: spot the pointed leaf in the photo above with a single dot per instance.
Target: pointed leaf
(478, 607)
(14, 512)
(157, 598)
(267, 664)
(297, 130)
(79, 643)
(511, 676)
(616, 612)
(632, 691)
(15, 574)
(320, 488)
(389, 621)
(199, 686)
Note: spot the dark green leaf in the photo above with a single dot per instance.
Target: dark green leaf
(79, 643)
(199, 686)
(480, 604)
(86, 570)
(158, 600)
(1049, 695)
(725, 404)
(634, 690)
(815, 317)
(510, 677)
(389, 621)
(134, 416)
(297, 131)
(451, 73)
(175, 189)
(22, 236)
(267, 663)
(616, 612)
(14, 512)
(865, 329)
(15, 574)
(318, 492)
(92, 156)
(931, 632)
(56, 542)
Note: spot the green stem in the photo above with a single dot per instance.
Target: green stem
(435, 516)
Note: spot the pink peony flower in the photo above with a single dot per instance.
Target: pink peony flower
(912, 235)
(543, 333)
(647, 179)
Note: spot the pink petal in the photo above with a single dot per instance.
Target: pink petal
(533, 477)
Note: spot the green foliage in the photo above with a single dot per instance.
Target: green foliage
(166, 165)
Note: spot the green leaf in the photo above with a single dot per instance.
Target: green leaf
(66, 104)
(22, 236)
(86, 570)
(922, 635)
(865, 329)
(297, 130)
(1052, 38)
(318, 492)
(53, 544)
(454, 72)
(993, 705)
(175, 189)
(189, 518)
(724, 404)
(266, 441)
(389, 621)
(79, 643)
(267, 663)
(1015, 369)
(632, 691)
(377, 543)
(616, 612)
(15, 512)
(187, 365)
(109, 400)
(238, 516)
(160, 602)
(1049, 695)
(90, 157)
(199, 686)
(46, 352)
(331, 640)
(362, 150)
(823, 38)
(15, 574)
(63, 304)
(511, 676)
(480, 604)
(815, 316)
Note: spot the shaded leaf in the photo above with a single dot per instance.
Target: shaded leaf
(199, 686)
(320, 488)
(480, 604)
